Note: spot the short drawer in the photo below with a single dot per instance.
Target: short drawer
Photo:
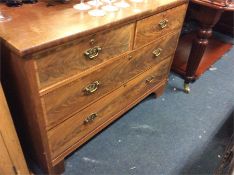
(151, 28)
(93, 117)
(75, 57)
(69, 99)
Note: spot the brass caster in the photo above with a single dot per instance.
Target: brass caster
(186, 88)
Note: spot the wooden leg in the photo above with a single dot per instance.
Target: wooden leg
(58, 169)
(160, 91)
(207, 18)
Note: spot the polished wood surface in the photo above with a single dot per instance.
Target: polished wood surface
(67, 100)
(50, 78)
(207, 15)
(12, 160)
(150, 28)
(36, 27)
(65, 61)
(74, 129)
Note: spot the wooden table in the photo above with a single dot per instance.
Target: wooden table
(194, 55)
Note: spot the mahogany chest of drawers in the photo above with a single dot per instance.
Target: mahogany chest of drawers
(75, 78)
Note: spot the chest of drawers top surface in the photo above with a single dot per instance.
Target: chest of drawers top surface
(37, 27)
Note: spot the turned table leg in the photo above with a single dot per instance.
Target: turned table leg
(207, 18)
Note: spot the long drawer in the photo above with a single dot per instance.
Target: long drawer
(67, 100)
(75, 128)
(158, 25)
(70, 59)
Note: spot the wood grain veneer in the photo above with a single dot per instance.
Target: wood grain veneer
(49, 72)
(65, 101)
(149, 28)
(72, 130)
(69, 59)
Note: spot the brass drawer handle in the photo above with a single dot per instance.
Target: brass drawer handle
(93, 52)
(91, 88)
(157, 52)
(163, 23)
(90, 118)
(150, 79)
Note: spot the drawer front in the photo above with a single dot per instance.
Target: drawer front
(75, 57)
(149, 29)
(77, 127)
(67, 100)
